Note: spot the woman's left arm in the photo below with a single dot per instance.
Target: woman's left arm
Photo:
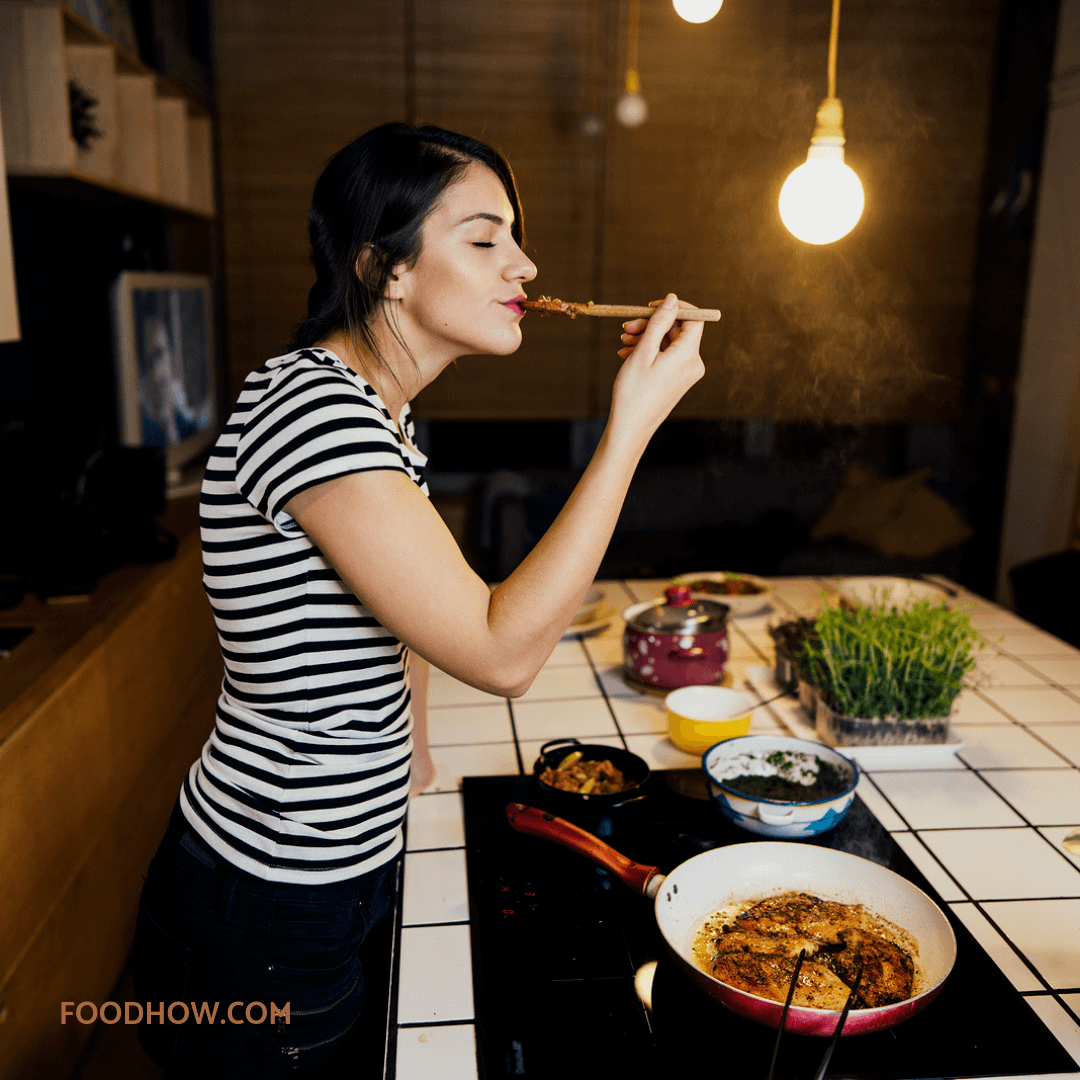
(423, 768)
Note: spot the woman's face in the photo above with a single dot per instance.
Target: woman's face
(462, 295)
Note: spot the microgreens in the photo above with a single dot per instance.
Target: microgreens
(888, 661)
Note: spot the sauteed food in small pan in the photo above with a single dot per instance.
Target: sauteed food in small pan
(585, 777)
(576, 775)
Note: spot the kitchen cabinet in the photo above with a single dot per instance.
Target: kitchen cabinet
(102, 709)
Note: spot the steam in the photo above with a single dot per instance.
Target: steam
(851, 332)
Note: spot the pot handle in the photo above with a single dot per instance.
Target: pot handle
(557, 742)
(532, 822)
(773, 817)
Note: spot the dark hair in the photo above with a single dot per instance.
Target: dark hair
(373, 196)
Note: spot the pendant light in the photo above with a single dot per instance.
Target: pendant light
(696, 11)
(822, 200)
(631, 108)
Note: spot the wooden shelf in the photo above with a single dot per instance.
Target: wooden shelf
(155, 142)
(72, 181)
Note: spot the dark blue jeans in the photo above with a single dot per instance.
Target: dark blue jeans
(237, 951)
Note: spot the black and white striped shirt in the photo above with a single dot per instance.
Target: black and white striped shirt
(306, 775)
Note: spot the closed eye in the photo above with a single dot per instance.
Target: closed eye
(484, 244)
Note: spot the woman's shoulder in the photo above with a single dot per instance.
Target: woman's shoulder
(314, 359)
(309, 399)
(306, 376)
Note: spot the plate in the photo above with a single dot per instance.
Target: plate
(740, 605)
(790, 713)
(896, 591)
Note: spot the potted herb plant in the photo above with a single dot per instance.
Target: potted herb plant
(887, 675)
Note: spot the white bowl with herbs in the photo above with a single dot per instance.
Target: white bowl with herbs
(778, 786)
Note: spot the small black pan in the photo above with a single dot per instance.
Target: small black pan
(634, 769)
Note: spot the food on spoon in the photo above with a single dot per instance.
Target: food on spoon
(781, 776)
(550, 305)
(585, 777)
(755, 950)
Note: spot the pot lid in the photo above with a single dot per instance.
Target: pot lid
(679, 613)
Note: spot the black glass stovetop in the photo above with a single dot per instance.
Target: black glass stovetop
(556, 942)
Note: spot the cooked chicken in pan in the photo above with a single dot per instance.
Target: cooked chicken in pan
(757, 950)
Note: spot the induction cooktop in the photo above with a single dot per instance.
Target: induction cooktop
(557, 941)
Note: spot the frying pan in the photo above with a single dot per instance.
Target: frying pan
(746, 873)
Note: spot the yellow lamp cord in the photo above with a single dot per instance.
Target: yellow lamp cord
(834, 33)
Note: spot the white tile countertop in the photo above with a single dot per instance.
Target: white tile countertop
(984, 824)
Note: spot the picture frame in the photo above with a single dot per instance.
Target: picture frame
(165, 363)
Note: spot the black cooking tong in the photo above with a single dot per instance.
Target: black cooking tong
(820, 1074)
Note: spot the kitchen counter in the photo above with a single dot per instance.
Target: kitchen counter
(983, 824)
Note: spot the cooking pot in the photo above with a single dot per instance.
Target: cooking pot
(745, 873)
(677, 641)
(591, 806)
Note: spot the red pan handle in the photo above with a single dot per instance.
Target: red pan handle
(533, 822)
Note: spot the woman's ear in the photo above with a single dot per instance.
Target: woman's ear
(395, 283)
(369, 265)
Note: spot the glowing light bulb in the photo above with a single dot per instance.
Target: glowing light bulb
(631, 110)
(591, 125)
(822, 200)
(696, 11)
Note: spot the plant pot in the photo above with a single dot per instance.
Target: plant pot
(808, 699)
(837, 730)
(786, 674)
(787, 642)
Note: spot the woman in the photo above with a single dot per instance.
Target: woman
(334, 583)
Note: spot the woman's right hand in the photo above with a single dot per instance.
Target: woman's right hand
(661, 362)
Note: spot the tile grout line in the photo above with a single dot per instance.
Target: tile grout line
(1009, 941)
(433, 1023)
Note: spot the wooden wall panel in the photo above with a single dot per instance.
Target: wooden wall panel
(522, 82)
(296, 81)
(870, 329)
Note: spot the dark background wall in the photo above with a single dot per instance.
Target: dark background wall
(896, 347)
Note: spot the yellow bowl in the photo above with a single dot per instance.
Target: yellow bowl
(702, 716)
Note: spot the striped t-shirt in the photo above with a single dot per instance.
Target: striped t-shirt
(306, 775)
